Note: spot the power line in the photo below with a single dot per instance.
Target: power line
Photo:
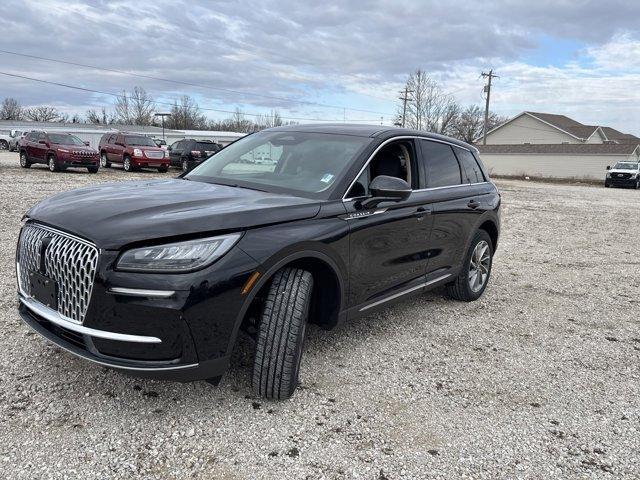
(156, 102)
(180, 82)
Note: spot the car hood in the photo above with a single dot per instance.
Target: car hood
(116, 214)
(618, 170)
(75, 148)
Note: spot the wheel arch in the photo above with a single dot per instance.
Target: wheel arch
(327, 302)
(491, 228)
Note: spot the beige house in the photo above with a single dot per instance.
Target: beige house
(548, 145)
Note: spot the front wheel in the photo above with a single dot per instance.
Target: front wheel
(4, 145)
(163, 169)
(127, 164)
(24, 160)
(476, 270)
(53, 166)
(281, 334)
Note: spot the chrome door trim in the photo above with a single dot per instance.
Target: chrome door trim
(404, 292)
(406, 137)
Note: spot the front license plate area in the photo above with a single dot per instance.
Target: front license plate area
(44, 289)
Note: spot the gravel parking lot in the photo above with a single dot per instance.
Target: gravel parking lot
(538, 379)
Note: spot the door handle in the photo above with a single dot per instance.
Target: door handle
(473, 204)
(422, 211)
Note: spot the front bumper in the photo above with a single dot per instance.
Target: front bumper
(621, 182)
(144, 162)
(183, 336)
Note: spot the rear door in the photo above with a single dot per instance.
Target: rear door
(116, 148)
(456, 205)
(40, 147)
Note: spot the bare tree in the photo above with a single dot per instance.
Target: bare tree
(186, 115)
(99, 117)
(134, 109)
(44, 113)
(468, 125)
(270, 120)
(11, 109)
(429, 108)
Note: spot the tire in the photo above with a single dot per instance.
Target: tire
(638, 184)
(467, 287)
(24, 160)
(163, 169)
(53, 166)
(92, 169)
(281, 334)
(4, 145)
(185, 166)
(126, 164)
(104, 163)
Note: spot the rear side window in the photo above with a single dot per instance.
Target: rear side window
(471, 172)
(441, 165)
(206, 146)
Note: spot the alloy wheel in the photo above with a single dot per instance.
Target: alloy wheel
(127, 164)
(103, 161)
(23, 159)
(185, 166)
(479, 266)
(52, 164)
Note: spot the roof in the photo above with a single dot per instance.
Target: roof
(561, 149)
(573, 127)
(376, 131)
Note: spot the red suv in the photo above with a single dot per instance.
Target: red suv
(57, 150)
(132, 151)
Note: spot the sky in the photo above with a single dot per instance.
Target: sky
(330, 61)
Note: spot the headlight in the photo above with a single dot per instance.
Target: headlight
(177, 257)
(608, 175)
(137, 152)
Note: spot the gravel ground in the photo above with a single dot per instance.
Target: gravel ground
(538, 379)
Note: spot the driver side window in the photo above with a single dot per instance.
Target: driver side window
(396, 159)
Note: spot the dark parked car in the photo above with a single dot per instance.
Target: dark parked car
(189, 153)
(58, 151)
(132, 151)
(159, 280)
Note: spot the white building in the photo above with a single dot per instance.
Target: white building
(548, 145)
(92, 133)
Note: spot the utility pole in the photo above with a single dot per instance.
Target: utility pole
(162, 115)
(487, 89)
(405, 98)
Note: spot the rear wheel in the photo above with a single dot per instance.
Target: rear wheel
(185, 165)
(53, 166)
(4, 145)
(24, 160)
(163, 169)
(92, 169)
(281, 334)
(476, 270)
(104, 162)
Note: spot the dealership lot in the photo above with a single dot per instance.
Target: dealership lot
(539, 378)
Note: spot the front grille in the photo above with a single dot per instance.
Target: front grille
(83, 153)
(621, 175)
(71, 262)
(153, 154)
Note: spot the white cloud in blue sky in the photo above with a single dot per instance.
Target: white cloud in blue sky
(577, 58)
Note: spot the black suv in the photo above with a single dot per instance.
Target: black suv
(342, 220)
(189, 153)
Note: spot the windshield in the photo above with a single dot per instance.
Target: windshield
(306, 163)
(626, 166)
(139, 141)
(64, 139)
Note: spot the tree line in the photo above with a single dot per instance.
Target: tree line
(429, 108)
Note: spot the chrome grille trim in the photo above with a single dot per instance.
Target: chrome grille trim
(153, 154)
(69, 260)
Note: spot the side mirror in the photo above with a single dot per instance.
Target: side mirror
(43, 142)
(386, 189)
(608, 167)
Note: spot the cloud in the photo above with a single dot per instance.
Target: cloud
(353, 53)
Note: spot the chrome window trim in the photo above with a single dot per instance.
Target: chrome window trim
(407, 137)
(404, 292)
(140, 292)
(56, 318)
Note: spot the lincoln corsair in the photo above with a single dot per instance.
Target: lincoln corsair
(158, 277)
